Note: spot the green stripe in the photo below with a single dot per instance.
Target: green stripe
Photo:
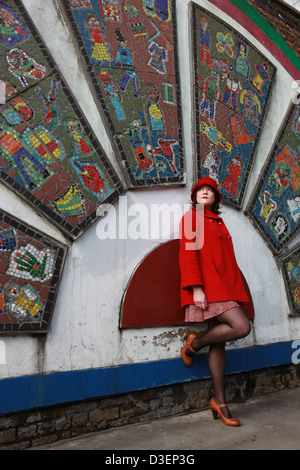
(253, 15)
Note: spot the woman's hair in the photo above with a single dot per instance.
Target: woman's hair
(216, 205)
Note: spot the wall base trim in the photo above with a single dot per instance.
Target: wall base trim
(28, 392)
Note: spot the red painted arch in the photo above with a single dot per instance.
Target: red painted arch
(152, 297)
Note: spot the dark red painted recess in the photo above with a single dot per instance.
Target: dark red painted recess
(152, 297)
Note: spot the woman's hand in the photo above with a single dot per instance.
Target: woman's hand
(199, 297)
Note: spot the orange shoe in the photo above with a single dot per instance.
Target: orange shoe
(188, 359)
(216, 409)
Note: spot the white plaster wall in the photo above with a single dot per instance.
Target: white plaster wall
(84, 332)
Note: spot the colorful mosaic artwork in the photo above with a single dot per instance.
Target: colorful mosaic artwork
(30, 269)
(291, 274)
(232, 86)
(48, 154)
(275, 205)
(129, 48)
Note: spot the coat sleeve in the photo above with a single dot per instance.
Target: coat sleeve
(188, 252)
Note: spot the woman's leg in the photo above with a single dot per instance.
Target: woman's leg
(240, 327)
(217, 365)
(230, 325)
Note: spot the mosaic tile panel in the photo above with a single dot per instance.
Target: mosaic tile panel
(291, 273)
(130, 52)
(232, 84)
(275, 205)
(30, 269)
(48, 154)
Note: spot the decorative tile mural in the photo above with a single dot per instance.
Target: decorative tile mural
(232, 84)
(291, 273)
(30, 269)
(48, 154)
(129, 48)
(275, 205)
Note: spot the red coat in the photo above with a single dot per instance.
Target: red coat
(213, 266)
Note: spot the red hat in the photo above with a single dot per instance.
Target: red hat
(210, 182)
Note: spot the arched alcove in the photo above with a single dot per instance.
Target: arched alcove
(152, 297)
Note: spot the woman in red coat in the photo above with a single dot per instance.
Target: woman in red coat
(212, 289)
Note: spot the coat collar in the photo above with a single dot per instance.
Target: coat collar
(209, 215)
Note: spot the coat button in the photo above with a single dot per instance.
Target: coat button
(220, 223)
(220, 235)
(229, 237)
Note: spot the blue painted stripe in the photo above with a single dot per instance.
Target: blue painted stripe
(22, 393)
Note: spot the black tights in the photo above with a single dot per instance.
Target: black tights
(231, 325)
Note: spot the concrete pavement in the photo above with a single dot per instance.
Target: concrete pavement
(269, 422)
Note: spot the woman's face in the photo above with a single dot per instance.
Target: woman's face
(206, 196)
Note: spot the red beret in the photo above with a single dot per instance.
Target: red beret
(210, 182)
